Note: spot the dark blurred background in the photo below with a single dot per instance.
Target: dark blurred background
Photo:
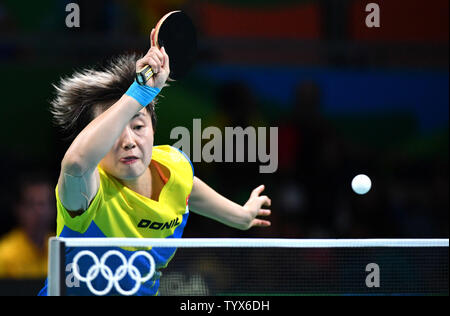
(347, 99)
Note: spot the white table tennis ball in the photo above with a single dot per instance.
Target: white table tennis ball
(361, 184)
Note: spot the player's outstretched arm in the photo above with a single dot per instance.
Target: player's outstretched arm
(207, 202)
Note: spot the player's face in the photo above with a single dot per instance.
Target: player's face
(131, 154)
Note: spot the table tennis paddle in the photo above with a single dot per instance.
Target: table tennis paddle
(176, 32)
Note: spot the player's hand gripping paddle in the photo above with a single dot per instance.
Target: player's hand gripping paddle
(176, 33)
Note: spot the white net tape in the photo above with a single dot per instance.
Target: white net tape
(251, 242)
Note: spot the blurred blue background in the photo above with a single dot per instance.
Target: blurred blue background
(347, 99)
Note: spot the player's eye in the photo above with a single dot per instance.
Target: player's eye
(138, 127)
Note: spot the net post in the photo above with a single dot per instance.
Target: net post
(56, 264)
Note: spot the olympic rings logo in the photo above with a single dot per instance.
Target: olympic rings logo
(127, 267)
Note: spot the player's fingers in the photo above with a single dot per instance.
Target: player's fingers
(264, 200)
(166, 63)
(141, 63)
(256, 192)
(154, 63)
(152, 38)
(259, 223)
(264, 212)
(155, 52)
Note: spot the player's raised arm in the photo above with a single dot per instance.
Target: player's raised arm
(79, 181)
(207, 202)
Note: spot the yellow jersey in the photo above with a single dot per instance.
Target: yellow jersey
(117, 211)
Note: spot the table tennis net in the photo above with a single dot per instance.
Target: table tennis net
(215, 267)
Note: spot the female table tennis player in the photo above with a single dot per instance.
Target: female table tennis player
(115, 183)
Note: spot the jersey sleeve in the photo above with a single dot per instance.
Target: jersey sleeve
(81, 222)
(187, 159)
